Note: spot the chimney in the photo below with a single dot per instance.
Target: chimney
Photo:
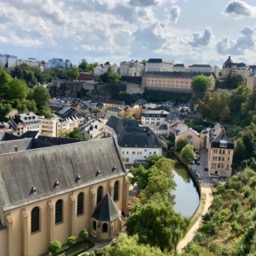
(15, 148)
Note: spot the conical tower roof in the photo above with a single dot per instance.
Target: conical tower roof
(106, 210)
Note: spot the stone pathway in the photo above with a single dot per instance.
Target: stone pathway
(206, 189)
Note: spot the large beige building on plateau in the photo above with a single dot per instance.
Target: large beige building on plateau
(170, 81)
(54, 192)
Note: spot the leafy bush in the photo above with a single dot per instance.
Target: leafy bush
(72, 241)
(54, 247)
(84, 234)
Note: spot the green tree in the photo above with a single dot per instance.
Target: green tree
(4, 110)
(41, 97)
(160, 230)
(200, 84)
(75, 134)
(84, 66)
(188, 153)
(5, 80)
(110, 77)
(129, 246)
(140, 176)
(73, 73)
(180, 144)
(17, 90)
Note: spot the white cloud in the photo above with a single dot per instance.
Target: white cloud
(174, 14)
(202, 39)
(245, 41)
(237, 8)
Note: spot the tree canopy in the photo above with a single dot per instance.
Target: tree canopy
(200, 84)
(110, 77)
(165, 227)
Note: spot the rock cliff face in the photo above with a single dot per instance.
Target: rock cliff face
(81, 89)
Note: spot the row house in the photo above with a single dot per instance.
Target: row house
(131, 68)
(220, 150)
(153, 117)
(158, 65)
(191, 136)
(25, 122)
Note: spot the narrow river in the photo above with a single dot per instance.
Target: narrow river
(186, 195)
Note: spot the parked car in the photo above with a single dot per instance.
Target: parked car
(215, 180)
(206, 168)
(198, 175)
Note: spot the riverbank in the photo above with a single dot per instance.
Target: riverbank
(206, 195)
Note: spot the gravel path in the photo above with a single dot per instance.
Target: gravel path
(191, 233)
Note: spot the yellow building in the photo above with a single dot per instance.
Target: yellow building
(220, 152)
(54, 192)
(171, 81)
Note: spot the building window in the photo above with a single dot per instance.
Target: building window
(116, 190)
(105, 227)
(58, 211)
(35, 219)
(94, 225)
(80, 203)
(99, 194)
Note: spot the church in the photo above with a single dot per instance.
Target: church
(51, 193)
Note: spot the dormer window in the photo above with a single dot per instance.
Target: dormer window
(114, 168)
(223, 143)
(33, 190)
(78, 177)
(98, 172)
(56, 184)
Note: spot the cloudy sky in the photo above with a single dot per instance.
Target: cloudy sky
(183, 31)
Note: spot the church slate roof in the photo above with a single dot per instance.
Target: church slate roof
(12, 145)
(138, 137)
(130, 134)
(106, 210)
(20, 171)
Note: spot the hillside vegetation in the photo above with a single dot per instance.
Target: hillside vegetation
(229, 227)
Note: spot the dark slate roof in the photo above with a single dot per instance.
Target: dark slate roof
(41, 167)
(118, 124)
(179, 65)
(130, 134)
(106, 210)
(141, 137)
(132, 79)
(218, 135)
(177, 74)
(229, 63)
(173, 115)
(155, 61)
(54, 141)
(15, 145)
(200, 65)
(29, 134)
(8, 136)
(160, 114)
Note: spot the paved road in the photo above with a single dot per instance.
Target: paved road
(206, 189)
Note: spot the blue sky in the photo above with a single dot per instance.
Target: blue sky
(183, 31)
